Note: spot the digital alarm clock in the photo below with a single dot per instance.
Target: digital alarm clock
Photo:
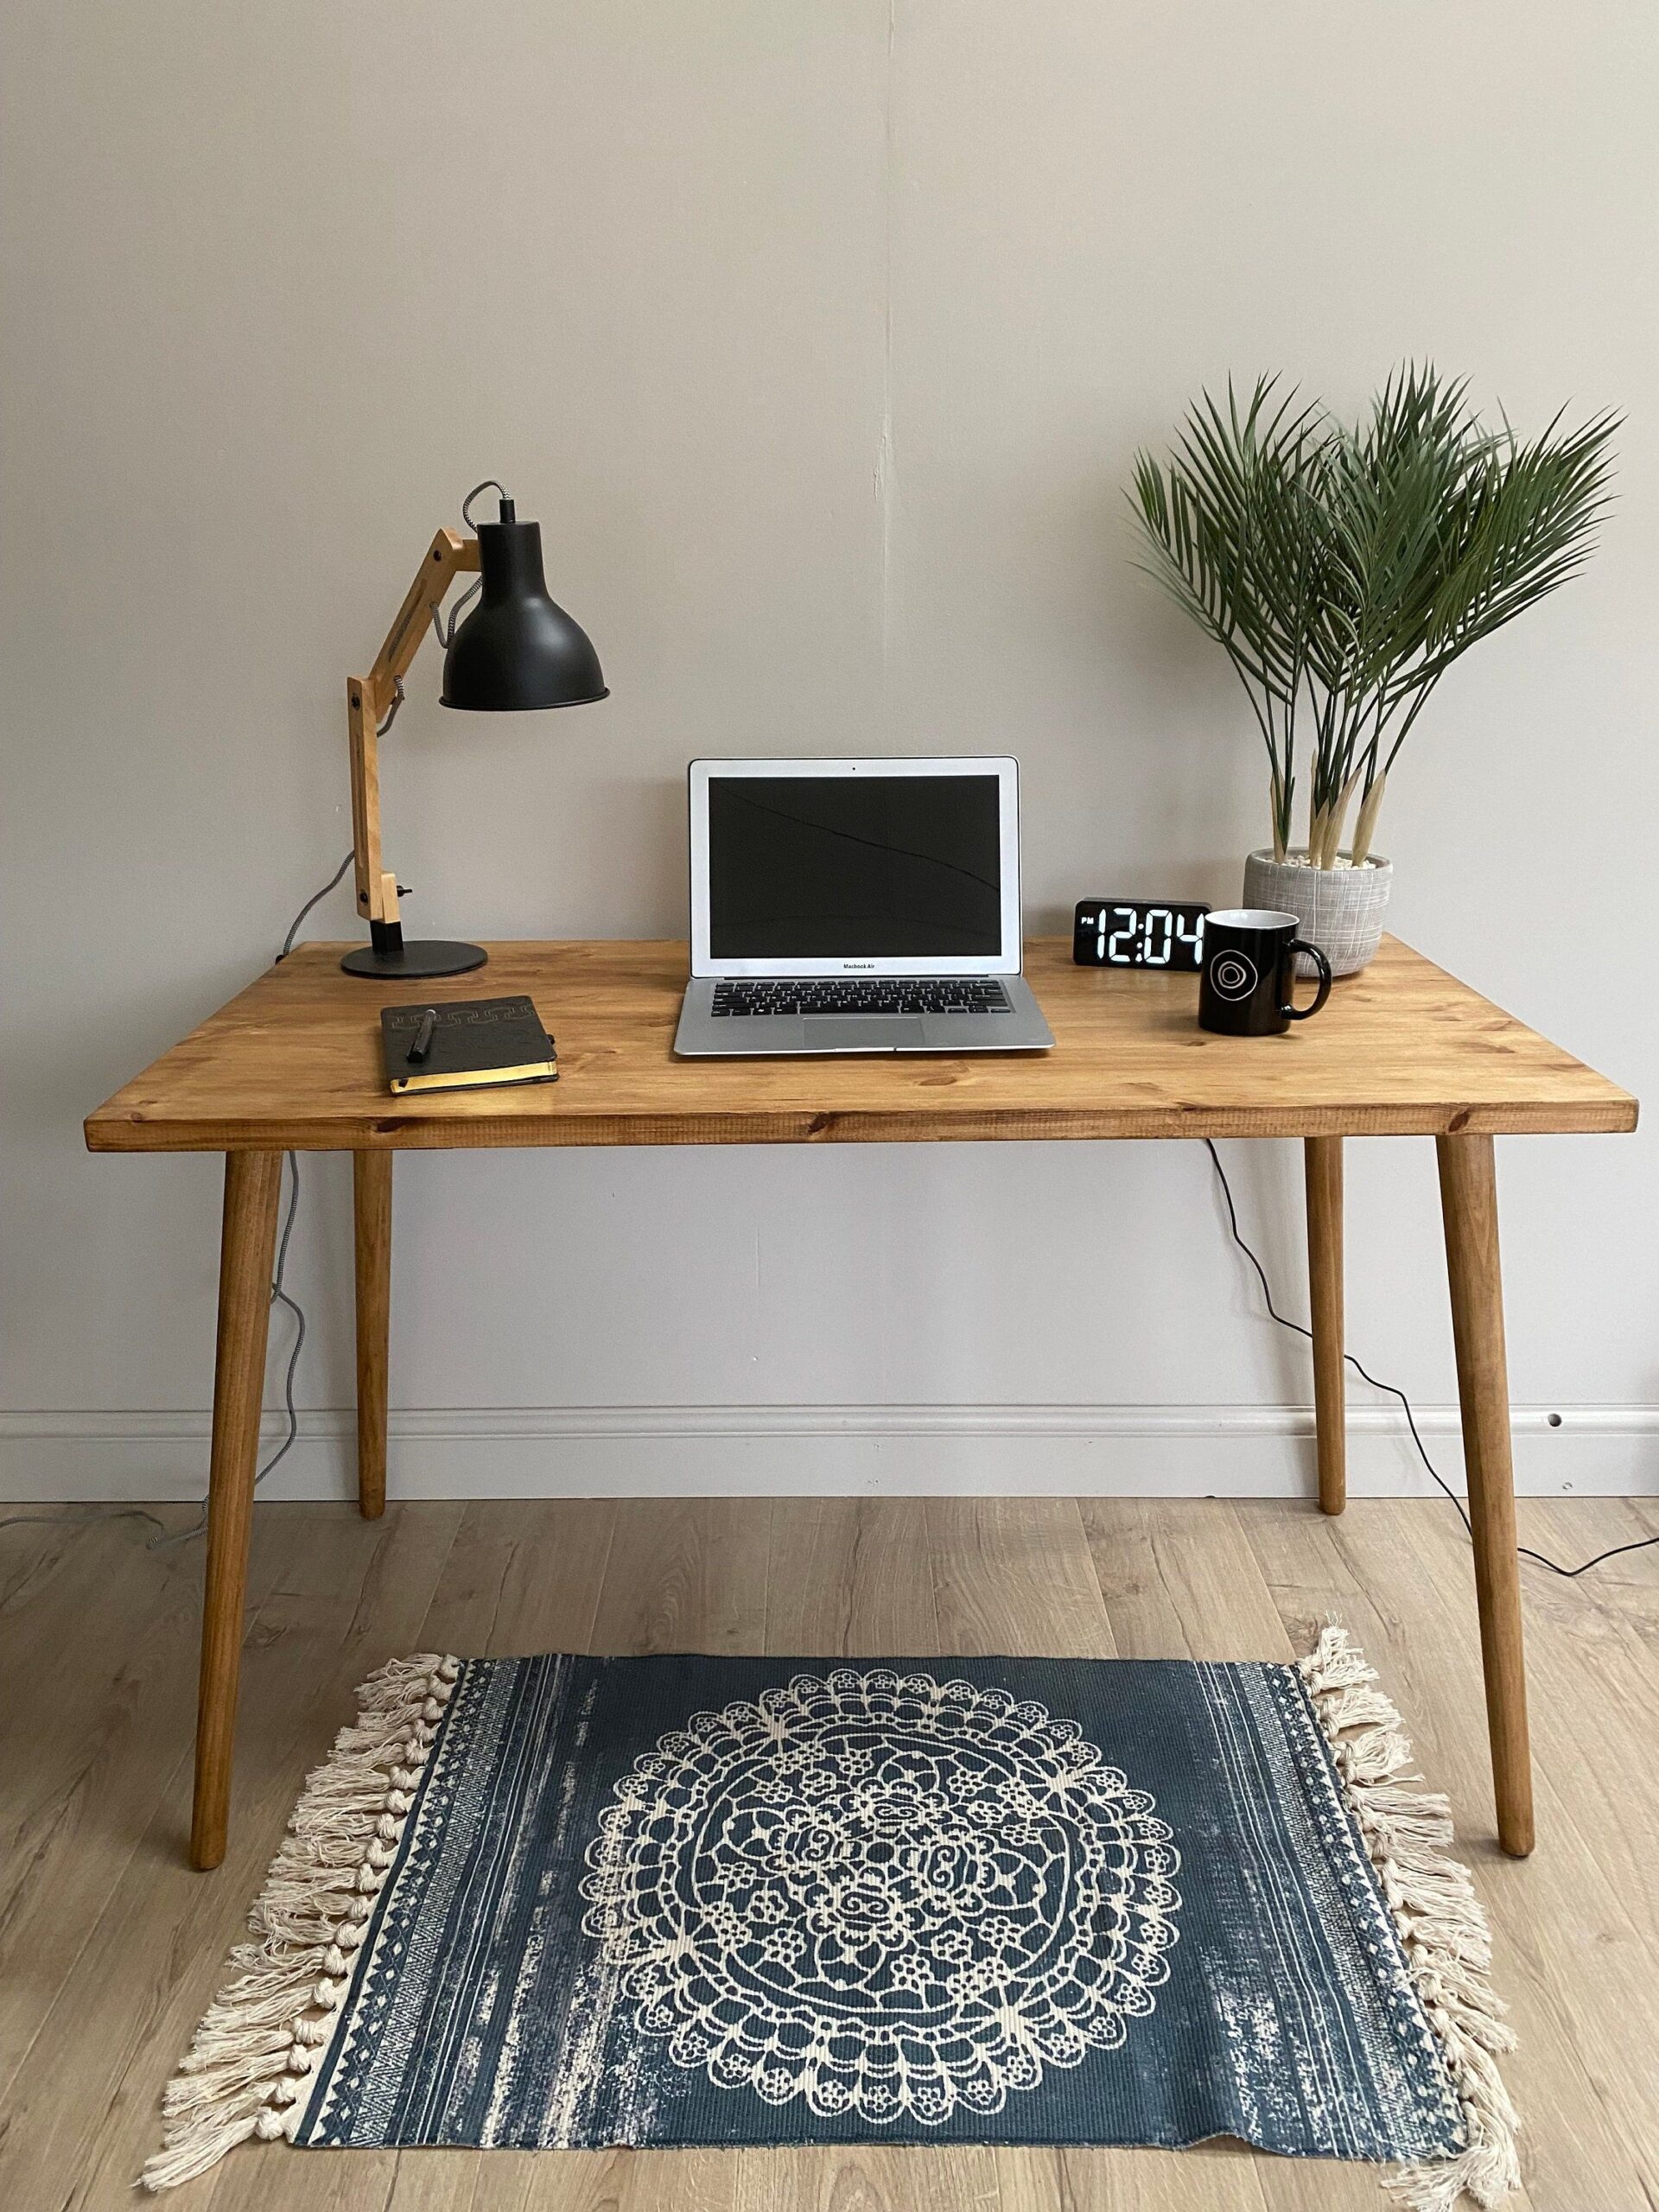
(1139, 933)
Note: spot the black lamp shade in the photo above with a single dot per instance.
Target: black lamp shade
(517, 650)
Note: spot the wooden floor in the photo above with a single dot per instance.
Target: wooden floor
(110, 1948)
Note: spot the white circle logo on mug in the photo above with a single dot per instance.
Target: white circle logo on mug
(1233, 975)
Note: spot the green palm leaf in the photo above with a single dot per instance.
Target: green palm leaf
(1344, 570)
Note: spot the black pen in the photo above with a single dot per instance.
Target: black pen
(422, 1044)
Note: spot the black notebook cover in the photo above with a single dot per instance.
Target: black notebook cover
(474, 1042)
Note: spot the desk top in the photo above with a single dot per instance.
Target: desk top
(1402, 1049)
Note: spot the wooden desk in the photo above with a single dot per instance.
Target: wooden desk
(1402, 1050)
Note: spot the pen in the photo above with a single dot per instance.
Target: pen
(422, 1044)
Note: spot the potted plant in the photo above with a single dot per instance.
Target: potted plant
(1344, 570)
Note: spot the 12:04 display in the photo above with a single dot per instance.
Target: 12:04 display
(1139, 933)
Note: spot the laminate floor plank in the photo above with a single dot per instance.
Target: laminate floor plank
(1124, 1534)
(462, 1614)
(1623, 1590)
(564, 2181)
(685, 1574)
(1015, 1575)
(633, 2181)
(117, 1628)
(41, 1543)
(450, 2181)
(1220, 2177)
(851, 1577)
(842, 2177)
(1180, 1576)
(54, 1583)
(549, 1595)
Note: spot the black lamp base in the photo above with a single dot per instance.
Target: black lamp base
(433, 956)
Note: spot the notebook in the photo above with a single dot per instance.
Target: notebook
(470, 1044)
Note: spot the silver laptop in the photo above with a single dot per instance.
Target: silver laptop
(857, 907)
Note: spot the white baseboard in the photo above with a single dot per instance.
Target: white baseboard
(805, 1451)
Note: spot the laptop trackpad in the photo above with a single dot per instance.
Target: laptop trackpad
(854, 1033)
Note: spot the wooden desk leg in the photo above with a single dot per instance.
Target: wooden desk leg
(252, 1181)
(371, 1211)
(1322, 1161)
(1469, 1205)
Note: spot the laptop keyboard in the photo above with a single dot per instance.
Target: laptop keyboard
(862, 994)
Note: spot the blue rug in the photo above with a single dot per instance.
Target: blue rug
(565, 1902)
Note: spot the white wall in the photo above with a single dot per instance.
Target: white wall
(819, 337)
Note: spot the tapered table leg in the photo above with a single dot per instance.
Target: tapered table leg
(372, 1211)
(1323, 1162)
(252, 1180)
(1469, 1205)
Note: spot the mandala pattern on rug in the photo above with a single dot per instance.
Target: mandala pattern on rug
(888, 1894)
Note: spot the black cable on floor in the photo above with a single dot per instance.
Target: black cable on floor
(1567, 1574)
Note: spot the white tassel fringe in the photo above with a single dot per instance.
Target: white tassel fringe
(1437, 1916)
(249, 2069)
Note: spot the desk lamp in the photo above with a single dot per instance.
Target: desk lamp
(516, 650)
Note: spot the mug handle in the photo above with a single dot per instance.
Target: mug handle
(1300, 944)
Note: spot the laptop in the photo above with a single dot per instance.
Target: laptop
(857, 907)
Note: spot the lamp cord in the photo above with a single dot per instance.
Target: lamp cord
(446, 638)
(280, 1295)
(489, 484)
(1567, 1574)
(380, 730)
(316, 896)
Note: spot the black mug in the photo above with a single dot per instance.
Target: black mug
(1249, 958)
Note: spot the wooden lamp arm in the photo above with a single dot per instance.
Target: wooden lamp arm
(367, 700)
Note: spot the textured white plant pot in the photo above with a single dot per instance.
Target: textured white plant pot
(1340, 909)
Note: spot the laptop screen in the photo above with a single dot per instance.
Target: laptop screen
(847, 867)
